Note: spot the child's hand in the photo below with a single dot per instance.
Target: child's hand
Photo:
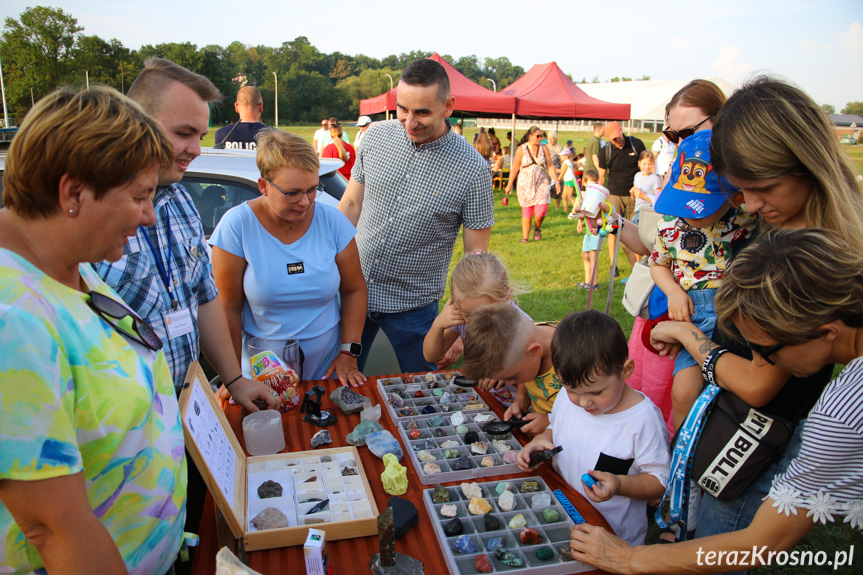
(538, 423)
(487, 383)
(452, 354)
(607, 486)
(680, 306)
(517, 408)
(538, 444)
(579, 227)
(449, 316)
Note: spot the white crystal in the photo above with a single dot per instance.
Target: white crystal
(457, 418)
(482, 417)
(471, 490)
(371, 412)
(264, 432)
(540, 501)
(506, 501)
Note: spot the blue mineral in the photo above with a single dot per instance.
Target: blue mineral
(494, 543)
(382, 442)
(436, 421)
(464, 545)
(428, 409)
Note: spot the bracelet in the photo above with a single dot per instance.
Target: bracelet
(346, 353)
(708, 368)
(227, 385)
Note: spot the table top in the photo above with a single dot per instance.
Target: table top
(353, 555)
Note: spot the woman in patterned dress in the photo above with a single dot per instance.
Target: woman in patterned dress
(532, 167)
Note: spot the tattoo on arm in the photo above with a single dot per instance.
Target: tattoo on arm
(706, 343)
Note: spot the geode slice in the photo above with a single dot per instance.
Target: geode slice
(269, 489)
(270, 518)
(349, 400)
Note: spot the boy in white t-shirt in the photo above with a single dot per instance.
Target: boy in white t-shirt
(646, 185)
(607, 430)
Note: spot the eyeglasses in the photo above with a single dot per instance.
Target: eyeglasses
(674, 136)
(295, 196)
(323, 124)
(765, 351)
(106, 308)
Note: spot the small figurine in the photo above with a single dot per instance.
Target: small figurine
(311, 406)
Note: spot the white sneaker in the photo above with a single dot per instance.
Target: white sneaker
(572, 216)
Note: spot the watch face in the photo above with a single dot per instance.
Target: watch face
(355, 349)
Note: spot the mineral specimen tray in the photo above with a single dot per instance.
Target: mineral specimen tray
(553, 535)
(227, 471)
(447, 473)
(410, 385)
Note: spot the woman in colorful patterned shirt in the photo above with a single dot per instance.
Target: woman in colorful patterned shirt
(92, 468)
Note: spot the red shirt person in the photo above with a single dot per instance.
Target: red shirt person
(340, 149)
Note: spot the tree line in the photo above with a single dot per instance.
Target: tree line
(46, 47)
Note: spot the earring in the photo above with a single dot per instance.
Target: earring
(71, 211)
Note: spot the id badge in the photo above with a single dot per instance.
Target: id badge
(179, 323)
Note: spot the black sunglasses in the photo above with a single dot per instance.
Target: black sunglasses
(765, 351)
(674, 136)
(106, 307)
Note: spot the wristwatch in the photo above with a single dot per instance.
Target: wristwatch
(353, 348)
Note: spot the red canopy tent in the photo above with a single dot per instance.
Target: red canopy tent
(545, 91)
(469, 97)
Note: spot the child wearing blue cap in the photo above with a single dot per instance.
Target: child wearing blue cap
(701, 228)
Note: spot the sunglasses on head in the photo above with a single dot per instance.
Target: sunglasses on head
(106, 308)
(765, 351)
(674, 136)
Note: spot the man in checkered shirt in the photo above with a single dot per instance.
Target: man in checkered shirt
(414, 184)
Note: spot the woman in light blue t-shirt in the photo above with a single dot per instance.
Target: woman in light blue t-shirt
(282, 260)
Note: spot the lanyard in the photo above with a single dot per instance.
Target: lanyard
(165, 275)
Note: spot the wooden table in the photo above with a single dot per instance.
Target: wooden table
(353, 555)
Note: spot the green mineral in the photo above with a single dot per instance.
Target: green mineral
(529, 487)
(503, 486)
(437, 392)
(441, 494)
(544, 553)
(461, 429)
(550, 514)
(451, 453)
(507, 558)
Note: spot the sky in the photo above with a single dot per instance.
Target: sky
(818, 45)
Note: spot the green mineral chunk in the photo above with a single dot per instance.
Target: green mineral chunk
(550, 514)
(451, 453)
(441, 495)
(544, 553)
(502, 486)
(507, 558)
(461, 429)
(437, 392)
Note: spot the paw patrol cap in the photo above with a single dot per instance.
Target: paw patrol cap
(693, 191)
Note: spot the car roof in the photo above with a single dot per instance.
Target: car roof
(241, 163)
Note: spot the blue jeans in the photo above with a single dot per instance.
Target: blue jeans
(406, 331)
(704, 319)
(715, 517)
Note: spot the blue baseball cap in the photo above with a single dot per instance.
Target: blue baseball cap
(693, 191)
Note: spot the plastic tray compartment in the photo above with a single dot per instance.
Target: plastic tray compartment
(553, 535)
(419, 391)
(451, 440)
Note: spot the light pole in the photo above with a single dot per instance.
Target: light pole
(391, 89)
(276, 98)
(87, 78)
(493, 83)
(3, 89)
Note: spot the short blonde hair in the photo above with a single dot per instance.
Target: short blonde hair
(278, 149)
(495, 339)
(97, 136)
(791, 282)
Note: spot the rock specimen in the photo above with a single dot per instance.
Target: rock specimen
(437, 392)
(382, 442)
(453, 527)
(494, 543)
(371, 412)
(517, 522)
(395, 476)
(326, 459)
(429, 444)
(436, 421)
(418, 393)
(363, 428)
(550, 515)
(449, 510)
(451, 453)
(565, 552)
(349, 400)
(428, 409)
(471, 437)
(270, 518)
(388, 562)
(482, 564)
(406, 412)
(530, 536)
(544, 553)
(503, 486)
(405, 515)
(269, 489)
(491, 523)
(446, 408)
(321, 438)
(479, 506)
(408, 378)
(441, 494)
(414, 434)
(425, 456)
(396, 400)
(507, 558)
(479, 447)
(540, 500)
(482, 418)
(464, 545)
(449, 443)
(487, 461)
(529, 487)
(348, 471)
(506, 501)
(461, 464)
(500, 446)
(439, 432)
(471, 490)
(431, 468)
(456, 419)
(461, 429)
(313, 521)
(510, 456)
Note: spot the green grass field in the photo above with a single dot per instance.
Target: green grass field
(549, 270)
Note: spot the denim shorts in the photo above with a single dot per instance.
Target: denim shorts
(704, 319)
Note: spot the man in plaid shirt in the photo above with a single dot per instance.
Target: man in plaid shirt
(414, 184)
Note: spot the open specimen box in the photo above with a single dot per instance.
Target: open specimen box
(306, 478)
(408, 396)
(550, 537)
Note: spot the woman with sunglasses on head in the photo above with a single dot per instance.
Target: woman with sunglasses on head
(92, 469)
(282, 260)
(532, 162)
(778, 146)
(796, 297)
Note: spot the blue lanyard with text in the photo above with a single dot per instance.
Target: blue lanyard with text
(166, 276)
